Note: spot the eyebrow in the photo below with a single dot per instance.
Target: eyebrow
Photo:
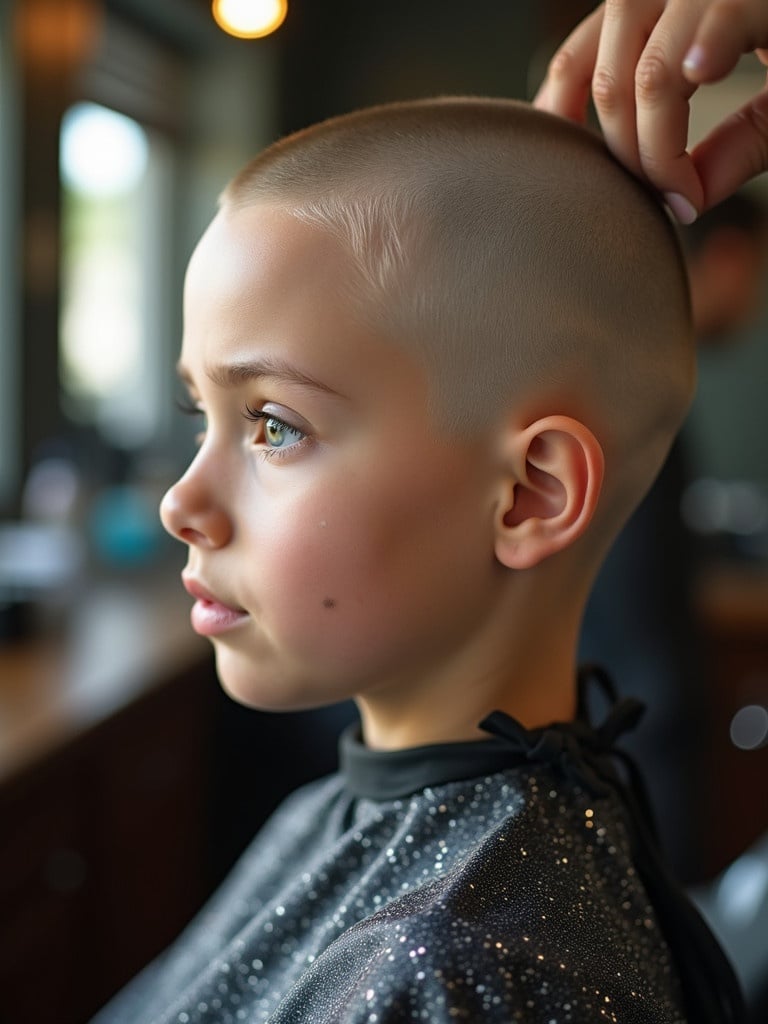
(232, 375)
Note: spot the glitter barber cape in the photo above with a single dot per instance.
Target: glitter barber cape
(509, 879)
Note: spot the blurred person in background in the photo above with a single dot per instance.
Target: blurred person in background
(640, 621)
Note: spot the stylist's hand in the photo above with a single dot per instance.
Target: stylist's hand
(643, 60)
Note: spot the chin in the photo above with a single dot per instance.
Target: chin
(268, 689)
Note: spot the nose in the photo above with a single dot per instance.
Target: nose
(191, 512)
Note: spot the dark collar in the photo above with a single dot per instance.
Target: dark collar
(580, 750)
(391, 774)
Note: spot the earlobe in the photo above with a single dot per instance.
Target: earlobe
(554, 474)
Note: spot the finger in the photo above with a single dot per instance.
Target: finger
(734, 152)
(728, 29)
(625, 30)
(662, 96)
(565, 90)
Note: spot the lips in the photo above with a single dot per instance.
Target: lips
(209, 615)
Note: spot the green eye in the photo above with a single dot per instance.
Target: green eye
(279, 434)
(275, 434)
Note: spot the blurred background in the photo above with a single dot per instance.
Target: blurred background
(128, 782)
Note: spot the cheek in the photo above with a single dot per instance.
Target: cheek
(318, 560)
(355, 570)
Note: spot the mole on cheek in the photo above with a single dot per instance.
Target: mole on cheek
(329, 602)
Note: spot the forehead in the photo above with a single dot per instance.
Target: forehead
(245, 251)
(263, 284)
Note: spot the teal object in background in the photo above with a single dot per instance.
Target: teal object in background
(124, 527)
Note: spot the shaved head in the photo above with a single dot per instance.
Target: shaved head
(509, 252)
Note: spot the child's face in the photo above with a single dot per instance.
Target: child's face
(343, 545)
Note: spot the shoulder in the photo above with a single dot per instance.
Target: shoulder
(530, 923)
(434, 964)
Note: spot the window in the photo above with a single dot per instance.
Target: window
(115, 180)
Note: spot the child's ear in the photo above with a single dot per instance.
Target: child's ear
(554, 474)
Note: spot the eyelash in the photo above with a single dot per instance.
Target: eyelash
(258, 414)
(254, 415)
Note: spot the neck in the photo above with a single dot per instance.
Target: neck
(528, 676)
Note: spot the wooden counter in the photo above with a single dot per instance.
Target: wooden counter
(121, 641)
(104, 740)
(733, 597)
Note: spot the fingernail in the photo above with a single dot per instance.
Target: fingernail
(694, 59)
(682, 209)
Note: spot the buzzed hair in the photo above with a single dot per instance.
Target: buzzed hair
(510, 253)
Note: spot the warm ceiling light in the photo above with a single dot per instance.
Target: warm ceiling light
(249, 19)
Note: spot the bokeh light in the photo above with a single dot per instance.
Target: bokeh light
(249, 19)
(103, 153)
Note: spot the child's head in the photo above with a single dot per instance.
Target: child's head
(507, 251)
(438, 320)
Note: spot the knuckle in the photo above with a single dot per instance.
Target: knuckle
(562, 65)
(755, 119)
(757, 116)
(652, 77)
(605, 90)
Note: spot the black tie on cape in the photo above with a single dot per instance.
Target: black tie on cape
(587, 755)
